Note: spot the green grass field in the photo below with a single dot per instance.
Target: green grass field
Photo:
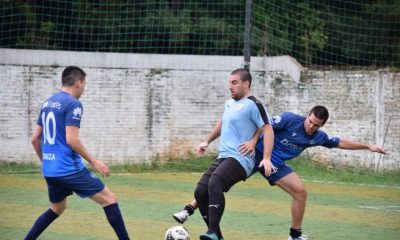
(341, 205)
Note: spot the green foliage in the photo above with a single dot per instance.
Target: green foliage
(345, 33)
(16, 168)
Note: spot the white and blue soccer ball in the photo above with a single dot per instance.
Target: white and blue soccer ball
(177, 233)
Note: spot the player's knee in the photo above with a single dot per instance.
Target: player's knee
(58, 208)
(105, 197)
(201, 193)
(215, 185)
(301, 193)
(111, 198)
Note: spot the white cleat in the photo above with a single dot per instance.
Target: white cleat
(181, 216)
(305, 237)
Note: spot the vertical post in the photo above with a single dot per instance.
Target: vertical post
(380, 116)
(247, 34)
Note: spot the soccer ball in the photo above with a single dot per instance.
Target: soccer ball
(177, 233)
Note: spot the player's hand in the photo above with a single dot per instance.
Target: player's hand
(376, 148)
(268, 167)
(101, 167)
(201, 149)
(247, 148)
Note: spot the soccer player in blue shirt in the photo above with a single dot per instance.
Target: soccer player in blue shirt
(242, 118)
(293, 134)
(56, 142)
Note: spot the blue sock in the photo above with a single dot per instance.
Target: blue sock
(41, 224)
(114, 217)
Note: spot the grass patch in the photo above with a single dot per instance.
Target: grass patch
(253, 211)
(191, 164)
(313, 170)
(19, 168)
(306, 168)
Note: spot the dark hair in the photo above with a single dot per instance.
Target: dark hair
(72, 74)
(244, 75)
(320, 112)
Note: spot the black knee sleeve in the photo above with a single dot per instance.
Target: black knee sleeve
(216, 185)
(201, 193)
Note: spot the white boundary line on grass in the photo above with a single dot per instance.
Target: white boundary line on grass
(382, 208)
(348, 183)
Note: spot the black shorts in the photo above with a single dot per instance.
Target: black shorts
(228, 169)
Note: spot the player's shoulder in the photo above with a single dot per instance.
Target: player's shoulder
(320, 134)
(323, 138)
(289, 116)
(67, 101)
(254, 99)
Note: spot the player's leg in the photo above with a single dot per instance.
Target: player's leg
(201, 193)
(292, 184)
(107, 199)
(58, 203)
(186, 212)
(86, 184)
(44, 220)
(227, 174)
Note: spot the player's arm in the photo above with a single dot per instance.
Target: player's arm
(73, 140)
(345, 143)
(215, 133)
(250, 146)
(268, 146)
(36, 141)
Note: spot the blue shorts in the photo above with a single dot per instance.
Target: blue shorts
(282, 171)
(84, 183)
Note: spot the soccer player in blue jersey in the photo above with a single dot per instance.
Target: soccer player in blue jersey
(56, 142)
(242, 118)
(293, 134)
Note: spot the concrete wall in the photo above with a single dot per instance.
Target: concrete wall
(140, 107)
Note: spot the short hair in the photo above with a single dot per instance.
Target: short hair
(72, 74)
(320, 112)
(244, 75)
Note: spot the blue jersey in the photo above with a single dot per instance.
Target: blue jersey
(291, 139)
(240, 121)
(57, 112)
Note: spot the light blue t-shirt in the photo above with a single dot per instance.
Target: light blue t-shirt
(291, 139)
(57, 112)
(240, 121)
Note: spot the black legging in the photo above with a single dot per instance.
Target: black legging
(209, 193)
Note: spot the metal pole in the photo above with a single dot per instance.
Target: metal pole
(247, 35)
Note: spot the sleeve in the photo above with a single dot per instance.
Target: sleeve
(329, 141)
(260, 146)
(39, 119)
(258, 113)
(280, 121)
(74, 114)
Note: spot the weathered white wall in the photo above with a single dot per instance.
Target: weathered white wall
(138, 107)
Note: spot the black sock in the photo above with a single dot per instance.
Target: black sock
(41, 224)
(114, 217)
(294, 233)
(189, 208)
(216, 203)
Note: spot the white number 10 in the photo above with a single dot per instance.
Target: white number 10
(48, 137)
